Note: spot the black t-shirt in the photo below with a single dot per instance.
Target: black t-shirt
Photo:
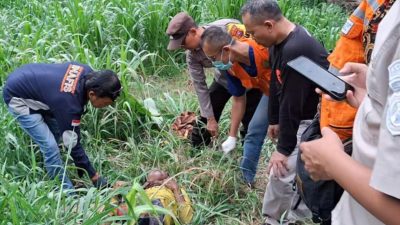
(293, 97)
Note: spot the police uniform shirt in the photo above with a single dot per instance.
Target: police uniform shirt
(377, 125)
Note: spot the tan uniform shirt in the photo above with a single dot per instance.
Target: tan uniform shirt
(376, 137)
(197, 61)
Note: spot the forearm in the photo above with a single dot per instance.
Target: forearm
(179, 196)
(355, 178)
(273, 105)
(238, 110)
(288, 129)
(82, 161)
(203, 96)
(198, 77)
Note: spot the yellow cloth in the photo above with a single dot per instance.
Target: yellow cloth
(183, 212)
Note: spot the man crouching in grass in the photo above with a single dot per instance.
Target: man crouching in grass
(48, 101)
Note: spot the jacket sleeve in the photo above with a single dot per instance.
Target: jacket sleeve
(198, 76)
(273, 104)
(292, 102)
(69, 122)
(235, 86)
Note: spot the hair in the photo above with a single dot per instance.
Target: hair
(216, 37)
(149, 184)
(261, 10)
(104, 83)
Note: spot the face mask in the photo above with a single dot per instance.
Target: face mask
(222, 66)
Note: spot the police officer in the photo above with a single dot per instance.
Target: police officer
(185, 33)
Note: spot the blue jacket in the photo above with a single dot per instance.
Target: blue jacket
(56, 90)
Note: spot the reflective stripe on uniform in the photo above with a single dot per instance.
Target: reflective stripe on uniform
(373, 4)
(359, 13)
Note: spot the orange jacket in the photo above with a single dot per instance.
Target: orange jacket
(339, 116)
(263, 77)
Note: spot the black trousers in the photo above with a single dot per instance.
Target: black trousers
(219, 96)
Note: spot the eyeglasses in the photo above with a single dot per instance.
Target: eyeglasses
(214, 57)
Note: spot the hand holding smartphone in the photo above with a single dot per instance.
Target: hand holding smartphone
(323, 79)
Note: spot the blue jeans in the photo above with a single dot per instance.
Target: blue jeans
(45, 133)
(254, 140)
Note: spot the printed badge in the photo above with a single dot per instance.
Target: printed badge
(347, 27)
(236, 30)
(394, 76)
(71, 78)
(393, 115)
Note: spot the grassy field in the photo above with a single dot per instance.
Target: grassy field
(121, 141)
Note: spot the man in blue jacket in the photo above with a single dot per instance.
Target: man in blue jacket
(48, 101)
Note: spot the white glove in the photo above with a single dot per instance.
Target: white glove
(229, 144)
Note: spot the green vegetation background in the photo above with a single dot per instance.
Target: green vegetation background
(122, 142)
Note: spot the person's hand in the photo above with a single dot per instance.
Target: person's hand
(273, 132)
(356, 75)
(317, 154)
(212, 126)
(278, 162)
(229, 144)
(100, 182)
(172, 184)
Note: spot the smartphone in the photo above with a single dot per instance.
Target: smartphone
(326, 81)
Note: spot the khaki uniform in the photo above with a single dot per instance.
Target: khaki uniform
(197, 61)
(376, 137)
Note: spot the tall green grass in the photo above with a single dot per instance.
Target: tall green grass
(104, 32)
(121, 140)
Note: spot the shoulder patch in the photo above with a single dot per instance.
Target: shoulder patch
(236, 30)
(347, 27)
(71, 78)
(393, 114)
(394, 76)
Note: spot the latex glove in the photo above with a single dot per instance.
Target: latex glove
(229, 144)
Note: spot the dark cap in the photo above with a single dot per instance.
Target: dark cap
(177, 29)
